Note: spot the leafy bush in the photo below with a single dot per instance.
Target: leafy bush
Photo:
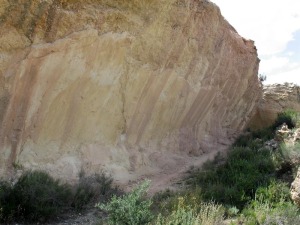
(186, 213)
(262, 77)
(290, 153)
(272, 205)
(232, 211)
(92, 189)
(290, 117)
(254, 138)
(275, 194)
(235, 182)
(165, 203)
(35, 197)
(262, 213)
(130, 208)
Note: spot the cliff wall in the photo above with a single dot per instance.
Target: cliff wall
(132, 87)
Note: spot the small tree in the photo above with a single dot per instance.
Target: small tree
(262, 77)
(130, 209)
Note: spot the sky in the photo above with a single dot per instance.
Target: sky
(274, 26)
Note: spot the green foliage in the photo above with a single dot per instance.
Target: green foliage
(290, 153)
(232, 211)
(262, 77)
(163, 201)
(248, 183)
(186, 213)
(234, 182)
(276, 193)
(263, 134)
(35, 197)
(262, 213)
(92, 189)
(166, 202)
(4, 191)
(290, 117)
(254, 137)
(271, 205)
(129, 209)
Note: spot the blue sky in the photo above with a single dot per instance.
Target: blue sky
(275, 28)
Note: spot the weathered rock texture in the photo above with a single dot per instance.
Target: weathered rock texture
(295, 189)
(276, 99)
(133, 87)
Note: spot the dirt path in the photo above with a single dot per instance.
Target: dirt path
(173, 175)
(90, 216)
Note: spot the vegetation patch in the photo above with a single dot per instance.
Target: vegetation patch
(130, 208)
(37, 197)
(250, 186)
(185, 212)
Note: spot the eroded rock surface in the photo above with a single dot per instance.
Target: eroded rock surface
(295, 189)
(276, 99)
(132, 87)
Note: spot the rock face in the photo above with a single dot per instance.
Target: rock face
(132, 87)
(295, 189)
(276, 99)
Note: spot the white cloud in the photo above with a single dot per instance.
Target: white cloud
(271, 25)
(273, 64)
(291, 76)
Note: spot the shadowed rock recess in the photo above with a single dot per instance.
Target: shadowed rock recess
(135, 88)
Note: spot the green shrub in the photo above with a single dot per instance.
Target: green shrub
(187, 213)
(235, 182)
(92, 189)
(287, 160)
(242, 141)
(7, 209)
(275, 194)
(262, 213)
(271, 205)
(163, 201)
(129, 209)
(232, 211)
(290, 153)
(262, 77)
(263, 134)
(290, 117)
(35, 197)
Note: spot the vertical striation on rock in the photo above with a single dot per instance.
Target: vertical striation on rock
(133, 87)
